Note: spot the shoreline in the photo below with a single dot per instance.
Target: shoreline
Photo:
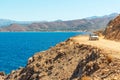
(68, 53)
(48, 32)
(38, 33)
(44, 31)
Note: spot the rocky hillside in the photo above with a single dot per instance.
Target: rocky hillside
(113, 29)
(86, 24)
(14, 27)
(69, 61)
(73, 25)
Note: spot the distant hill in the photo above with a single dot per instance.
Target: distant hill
(86, 24)
(14, 27)
(7, 22)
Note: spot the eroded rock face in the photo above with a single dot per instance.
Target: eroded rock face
(113, 29)
(68, 61)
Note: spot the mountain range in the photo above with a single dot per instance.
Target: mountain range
(85, 24)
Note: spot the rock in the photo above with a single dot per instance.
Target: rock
(30, 60)
(69, 61)
(113, 29)
(2, 74)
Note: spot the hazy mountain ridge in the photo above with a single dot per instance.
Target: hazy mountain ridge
(86, 24)
(8, 22)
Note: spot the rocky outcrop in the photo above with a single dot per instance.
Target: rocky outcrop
(2, 76)
(69, 61)
(113, 29)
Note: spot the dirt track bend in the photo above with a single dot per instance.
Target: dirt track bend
(110, 47)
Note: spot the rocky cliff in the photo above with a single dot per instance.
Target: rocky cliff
(113, 29)
(69, 61)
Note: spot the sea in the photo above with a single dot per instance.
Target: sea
(17, 47)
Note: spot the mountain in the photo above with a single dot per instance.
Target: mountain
(7, 22)
(113, 29)
(74, 25)
(86, 24)
(14, 27)
(110, 15)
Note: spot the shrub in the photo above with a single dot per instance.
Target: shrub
(86, 78)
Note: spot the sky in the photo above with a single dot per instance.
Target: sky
(50, 10)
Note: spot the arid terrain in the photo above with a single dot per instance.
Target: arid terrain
(108, 46)
(75, 59)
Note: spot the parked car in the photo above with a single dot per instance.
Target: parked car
(93, 37)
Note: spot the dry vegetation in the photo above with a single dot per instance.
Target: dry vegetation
(69, 60)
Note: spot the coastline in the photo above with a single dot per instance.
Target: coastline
(42, 31)
(25, 45)
(65, 61)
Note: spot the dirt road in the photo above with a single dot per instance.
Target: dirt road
(111, 48)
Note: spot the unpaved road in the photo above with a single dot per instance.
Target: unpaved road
(110, 47)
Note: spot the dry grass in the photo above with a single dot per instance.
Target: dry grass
(86, 78)
(109, 58)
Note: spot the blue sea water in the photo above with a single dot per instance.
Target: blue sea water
(17, 47)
